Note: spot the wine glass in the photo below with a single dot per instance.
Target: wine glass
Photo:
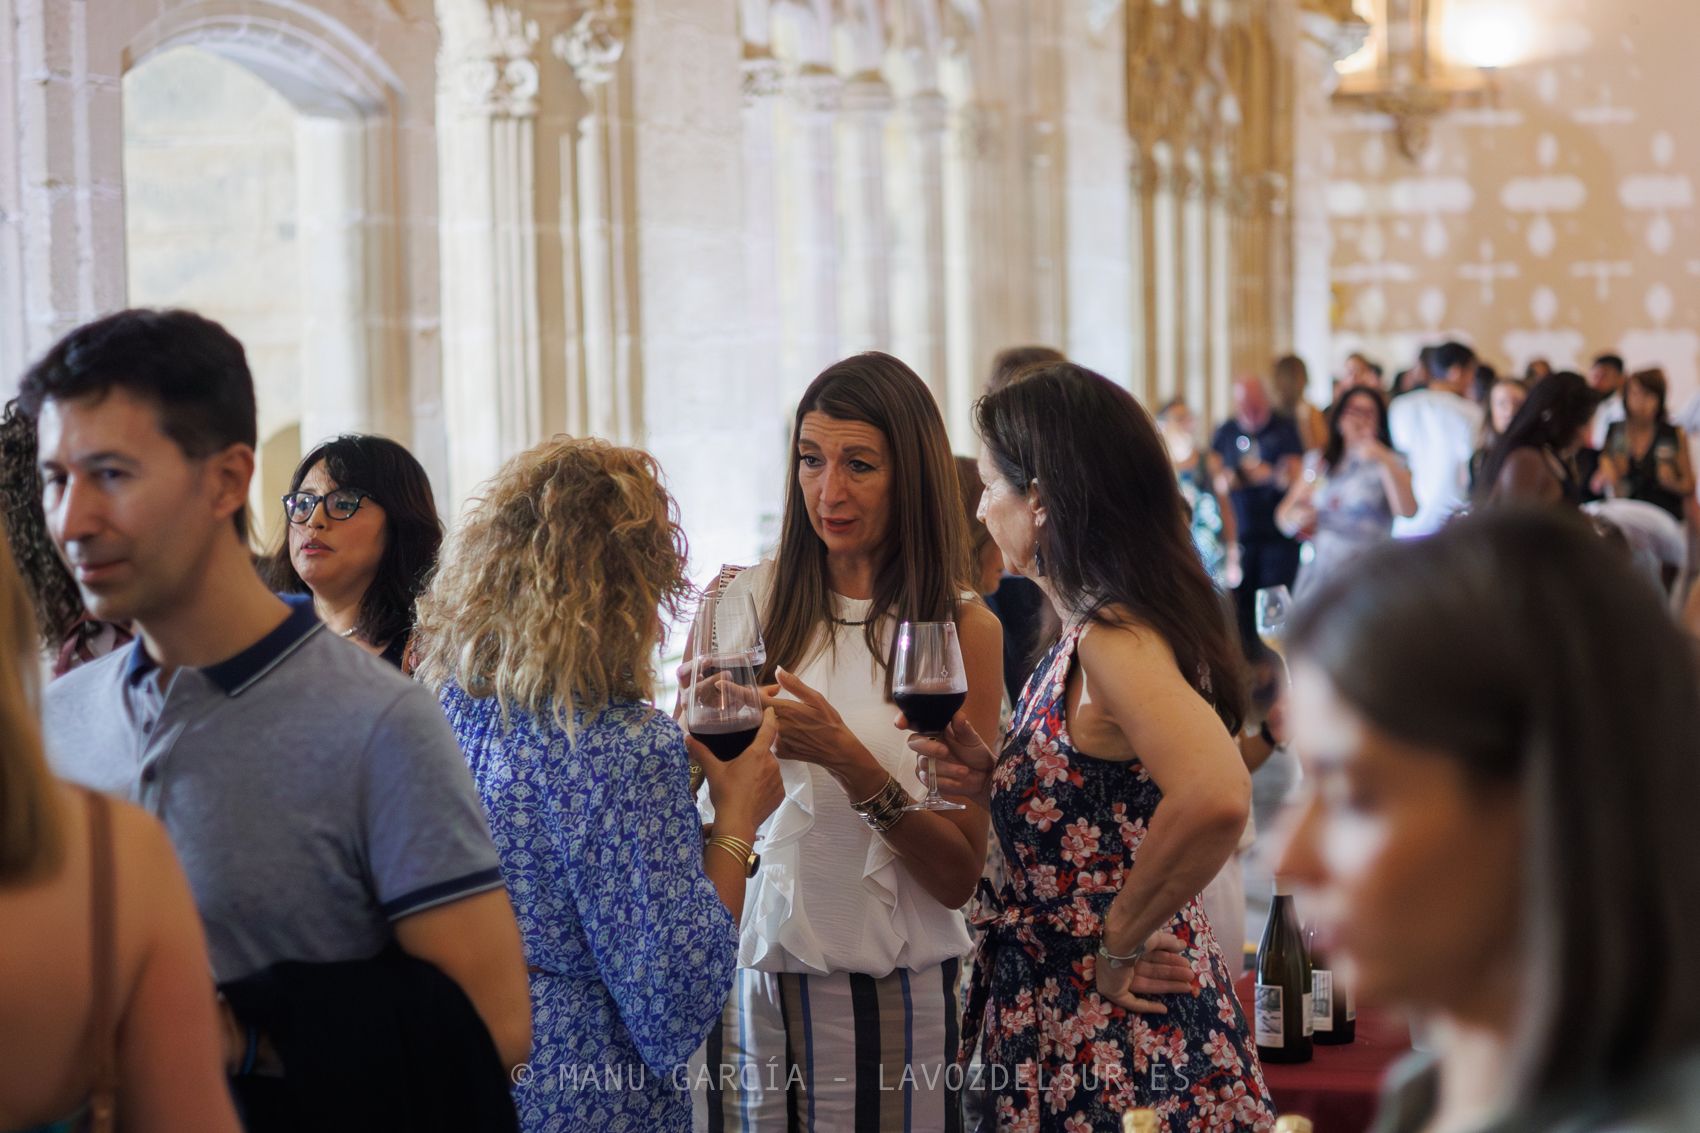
(1273, 604)
(929, 685)
(727, 624)
(723, 703)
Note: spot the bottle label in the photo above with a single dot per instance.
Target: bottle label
(1270, 1024)
(1309, 1019)
(1322, 999)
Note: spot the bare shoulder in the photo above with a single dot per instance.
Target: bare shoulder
(1121, 640)
(976, 622)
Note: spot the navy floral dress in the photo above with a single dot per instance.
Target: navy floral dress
(631, 951)
(1057, 1056)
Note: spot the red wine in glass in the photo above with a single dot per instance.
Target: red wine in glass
(929, 684)
(723, 706)
(726, 745)
(929, 711)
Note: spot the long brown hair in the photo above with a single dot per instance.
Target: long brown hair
(1523, 648)
(1117, 534)
(31, 840)
(925, 567)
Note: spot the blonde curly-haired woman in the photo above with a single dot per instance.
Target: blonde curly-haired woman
(538, 632)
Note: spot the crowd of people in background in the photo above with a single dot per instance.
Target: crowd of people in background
(378, 829)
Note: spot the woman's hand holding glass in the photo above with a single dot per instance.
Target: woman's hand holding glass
(810, 728)
(961, 759)
(1162, 970)
(744, 790)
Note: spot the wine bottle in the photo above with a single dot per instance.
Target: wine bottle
(1293, 1123)
(1334, 1015)
(1283, 1010)
(1141, 1121)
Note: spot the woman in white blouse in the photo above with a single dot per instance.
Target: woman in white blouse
(844, 1013)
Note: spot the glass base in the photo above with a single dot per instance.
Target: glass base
(934, 804)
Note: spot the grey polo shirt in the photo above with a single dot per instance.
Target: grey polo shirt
(313, 793)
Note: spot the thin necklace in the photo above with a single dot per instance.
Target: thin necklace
(349, 632)
(842, 622)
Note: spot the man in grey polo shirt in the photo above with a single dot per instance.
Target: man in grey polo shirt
(317, 799)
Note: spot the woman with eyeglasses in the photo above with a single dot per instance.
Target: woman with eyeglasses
(363, 535)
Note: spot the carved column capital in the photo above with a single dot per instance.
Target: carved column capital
(865, 94)
(498, 75)
(929, 110)
(594, 45)
(816, 89)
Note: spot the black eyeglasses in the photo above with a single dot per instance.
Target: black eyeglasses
(340, 504)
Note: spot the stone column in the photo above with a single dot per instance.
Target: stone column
(61, 178)
(808, 224)
(916, 202)
(605, 394)
(864, 306)
(487, 103)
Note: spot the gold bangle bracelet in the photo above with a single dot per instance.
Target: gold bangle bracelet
(882, 811)
(743, 847)
(743, 860)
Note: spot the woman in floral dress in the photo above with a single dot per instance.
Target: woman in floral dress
(1118, 793)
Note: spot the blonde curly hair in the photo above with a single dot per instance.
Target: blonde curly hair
(547, 596)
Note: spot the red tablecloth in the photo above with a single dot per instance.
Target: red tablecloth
(1337, 1089)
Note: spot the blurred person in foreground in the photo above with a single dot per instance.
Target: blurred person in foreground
(1497, 725)
(105, 1006)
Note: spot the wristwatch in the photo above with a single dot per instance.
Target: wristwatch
(1115, 961)
(739, 849)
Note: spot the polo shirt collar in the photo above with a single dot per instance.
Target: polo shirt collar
(237, 673)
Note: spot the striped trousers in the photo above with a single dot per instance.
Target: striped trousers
(839, 1053)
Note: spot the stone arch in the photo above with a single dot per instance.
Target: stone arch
(363, 72)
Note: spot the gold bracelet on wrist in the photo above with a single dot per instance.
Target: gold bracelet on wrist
(741, 850)
(743, 847)
(884, 807)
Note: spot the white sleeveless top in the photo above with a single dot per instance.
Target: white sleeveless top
(831, 895)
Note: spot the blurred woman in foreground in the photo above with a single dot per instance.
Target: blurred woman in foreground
(1498, 724)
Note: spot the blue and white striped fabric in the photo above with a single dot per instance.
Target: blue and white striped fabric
(839, 1053)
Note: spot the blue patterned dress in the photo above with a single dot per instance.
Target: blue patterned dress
(631, 951)
(1056, 1055)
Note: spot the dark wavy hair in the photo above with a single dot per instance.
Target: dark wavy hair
(51, 589)
(925, 568)
(192, 370)
(1336, 447)
(1521, 646)
(412, 532)
(1117, 536)
(1551, 416)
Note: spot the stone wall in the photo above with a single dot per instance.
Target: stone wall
(1555, 220)
(650, 220)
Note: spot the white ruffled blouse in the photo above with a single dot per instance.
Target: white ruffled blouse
(831, 895)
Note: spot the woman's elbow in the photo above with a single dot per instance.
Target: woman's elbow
(1224, 811)
(511, 1033)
